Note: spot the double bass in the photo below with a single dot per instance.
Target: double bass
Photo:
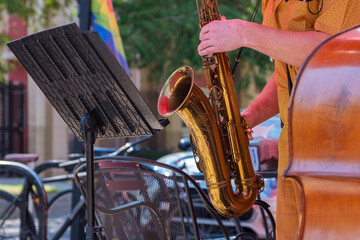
(324, 139)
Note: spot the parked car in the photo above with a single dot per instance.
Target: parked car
(263, 150)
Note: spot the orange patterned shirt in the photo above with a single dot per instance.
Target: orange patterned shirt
(295, 15)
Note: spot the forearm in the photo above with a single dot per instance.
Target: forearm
(227, 35)
(264, 106)
(290, 47)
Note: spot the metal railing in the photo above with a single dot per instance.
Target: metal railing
(12, 118)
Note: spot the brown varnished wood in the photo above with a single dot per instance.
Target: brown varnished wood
(324, 139)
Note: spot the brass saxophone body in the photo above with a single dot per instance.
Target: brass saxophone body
(216, 127)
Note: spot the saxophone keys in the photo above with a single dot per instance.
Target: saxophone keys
(215, 93)
(209, 61)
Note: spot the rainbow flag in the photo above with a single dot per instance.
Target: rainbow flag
(104, 22)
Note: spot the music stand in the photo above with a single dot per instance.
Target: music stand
(89, 89)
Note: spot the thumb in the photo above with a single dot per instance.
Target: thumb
(222, 18)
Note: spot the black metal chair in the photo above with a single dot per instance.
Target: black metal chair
(137, 198)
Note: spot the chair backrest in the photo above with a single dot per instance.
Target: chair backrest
(142, 199)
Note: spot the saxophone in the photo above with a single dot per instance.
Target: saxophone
(216, 127)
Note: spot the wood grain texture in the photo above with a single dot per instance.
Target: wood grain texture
(324, 134)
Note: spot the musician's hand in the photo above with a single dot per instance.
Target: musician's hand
(249, 135)
(246, 122)
(220, 36)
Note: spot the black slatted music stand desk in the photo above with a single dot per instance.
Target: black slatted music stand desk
(89, 89)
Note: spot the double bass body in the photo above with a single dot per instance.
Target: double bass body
(324, 137)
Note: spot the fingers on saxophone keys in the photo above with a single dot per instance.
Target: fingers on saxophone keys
(205, 50)
(203, 33)
(202, 46)
(250, 136)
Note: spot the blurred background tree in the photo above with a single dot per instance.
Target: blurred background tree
(162, 35)
(37, 12)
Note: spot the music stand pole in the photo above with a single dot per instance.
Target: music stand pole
(89, 127)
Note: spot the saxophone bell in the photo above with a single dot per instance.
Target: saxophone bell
(176, 89)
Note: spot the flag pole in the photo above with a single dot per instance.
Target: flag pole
(85, 13)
